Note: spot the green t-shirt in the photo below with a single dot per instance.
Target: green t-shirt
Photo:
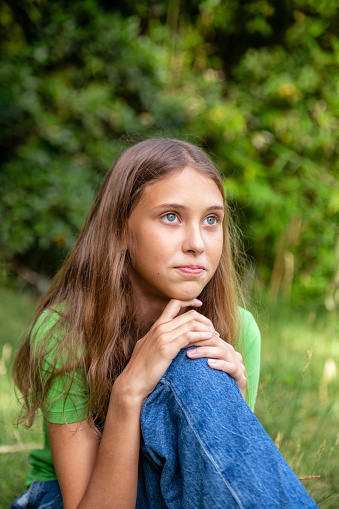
(249, 345)
(72, 407)
(59, 408)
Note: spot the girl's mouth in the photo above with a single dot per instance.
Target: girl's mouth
(191, 269)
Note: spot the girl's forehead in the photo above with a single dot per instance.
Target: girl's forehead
(184, 182)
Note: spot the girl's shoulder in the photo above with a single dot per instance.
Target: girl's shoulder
(247, 319)
(249, 332)
(46, 322)
(249, 345)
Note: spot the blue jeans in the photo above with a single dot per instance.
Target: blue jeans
(202, 447)
(41, 495)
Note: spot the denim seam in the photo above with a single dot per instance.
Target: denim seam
(50, 504)
(32, 493)
(202, 445)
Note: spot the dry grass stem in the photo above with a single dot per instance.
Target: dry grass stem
(309, 357)
(5, 449)
(297, 465)
(278, 439)
(334, 446)
(321, 449)
(309, 477)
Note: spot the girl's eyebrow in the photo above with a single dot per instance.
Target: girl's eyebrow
(182, 207)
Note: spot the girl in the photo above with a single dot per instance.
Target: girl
(123, 307)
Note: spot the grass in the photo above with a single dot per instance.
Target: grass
(16, 310)
(297, 402)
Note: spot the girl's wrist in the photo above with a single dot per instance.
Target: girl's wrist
(125, 397)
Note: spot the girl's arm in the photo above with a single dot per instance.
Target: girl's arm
(99, 475)
(106, 474)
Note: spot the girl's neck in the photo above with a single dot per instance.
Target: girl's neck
(148, 309)
(148, 305)
(148, 313)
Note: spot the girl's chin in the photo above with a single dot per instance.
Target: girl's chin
(186, 293)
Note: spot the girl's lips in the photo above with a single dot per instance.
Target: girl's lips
(191, 269)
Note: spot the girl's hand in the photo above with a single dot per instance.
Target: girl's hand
(154, 352)
(223, 357)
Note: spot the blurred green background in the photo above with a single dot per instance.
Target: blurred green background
(256, 84)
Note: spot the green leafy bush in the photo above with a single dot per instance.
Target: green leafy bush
(255, 83)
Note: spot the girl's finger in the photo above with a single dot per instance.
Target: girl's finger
(189, 317)
(186, 333)
(186, 339)
(173, 308)
(229, 368)
(211, 349)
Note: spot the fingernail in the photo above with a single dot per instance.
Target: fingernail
(198, 302)
(217, 333)
(192, 352)
(211, 361)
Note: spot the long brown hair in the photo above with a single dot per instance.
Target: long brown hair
(92, 292)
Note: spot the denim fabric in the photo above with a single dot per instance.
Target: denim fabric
(202, 447)
(41, 495)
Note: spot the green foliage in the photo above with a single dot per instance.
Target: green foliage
(254, 82)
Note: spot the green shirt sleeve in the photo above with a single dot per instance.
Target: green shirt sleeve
(67, 399)
(249, 345)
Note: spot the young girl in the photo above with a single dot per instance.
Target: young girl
(133, 414)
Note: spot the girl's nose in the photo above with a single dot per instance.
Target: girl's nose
(193, 241)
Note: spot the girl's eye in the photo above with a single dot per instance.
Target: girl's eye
(211, 220)
(170, 217)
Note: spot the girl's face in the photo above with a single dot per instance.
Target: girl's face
(175, 237)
